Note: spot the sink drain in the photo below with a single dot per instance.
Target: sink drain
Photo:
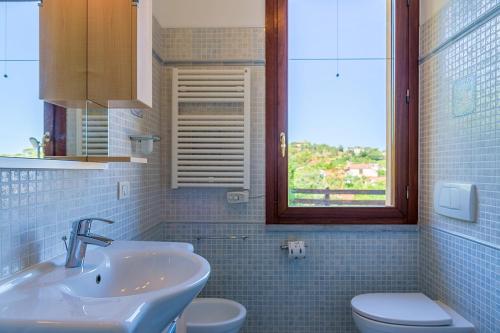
(98, 279)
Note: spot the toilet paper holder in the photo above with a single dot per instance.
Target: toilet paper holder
(296, 249)
(284, 245)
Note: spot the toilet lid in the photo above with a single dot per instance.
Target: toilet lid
(411, 309)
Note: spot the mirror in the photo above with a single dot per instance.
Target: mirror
(30, 127)
(75, 132)
(95, 131)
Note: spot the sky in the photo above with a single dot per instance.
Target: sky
(348, 110)
(20, 109)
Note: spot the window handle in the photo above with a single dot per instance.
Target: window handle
(283, 144)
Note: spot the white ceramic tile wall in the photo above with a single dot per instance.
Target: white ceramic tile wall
(462, 148)
(459, 261)
(452, 18)
(311, 295)
(184, 44)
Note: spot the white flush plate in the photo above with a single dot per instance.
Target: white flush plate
(458, 201)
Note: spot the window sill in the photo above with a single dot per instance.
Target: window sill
(342, 228)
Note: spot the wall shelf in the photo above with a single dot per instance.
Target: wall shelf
(33, 163)
(117, 159)
(67, 162)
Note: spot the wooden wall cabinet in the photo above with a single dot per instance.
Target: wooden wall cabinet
(63, 52)
(96, 50)
(120, 53)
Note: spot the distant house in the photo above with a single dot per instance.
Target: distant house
(357, 150)
(363, 170)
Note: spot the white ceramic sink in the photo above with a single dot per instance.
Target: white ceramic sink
(137, 287)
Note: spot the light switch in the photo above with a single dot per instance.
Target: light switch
(458, 201)
(123, 190)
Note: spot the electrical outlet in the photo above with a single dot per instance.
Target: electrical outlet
(237, 197)
(123, 190)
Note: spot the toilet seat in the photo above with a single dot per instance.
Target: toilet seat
(410, 309)
(406, 313)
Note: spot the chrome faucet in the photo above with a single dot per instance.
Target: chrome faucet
(80, 237)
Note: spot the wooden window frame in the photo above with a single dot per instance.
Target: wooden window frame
(55, 124)
(404, 210)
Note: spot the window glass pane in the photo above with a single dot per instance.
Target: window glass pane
(302, 26)
(359, 29)
(339, 104)
(18, 30)
(19, 72)
(363, 28)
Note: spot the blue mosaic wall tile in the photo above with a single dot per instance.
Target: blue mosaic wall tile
(310, 295)
(459, 142)
(463, 274)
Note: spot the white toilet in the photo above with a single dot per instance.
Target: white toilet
(212, 315)
(405, 313)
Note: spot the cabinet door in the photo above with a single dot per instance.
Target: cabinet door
(63, 52)
(110, 50)
(120, 53)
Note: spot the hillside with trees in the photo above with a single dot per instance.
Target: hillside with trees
(319, 166)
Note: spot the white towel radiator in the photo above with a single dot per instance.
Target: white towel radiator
(210, 148)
